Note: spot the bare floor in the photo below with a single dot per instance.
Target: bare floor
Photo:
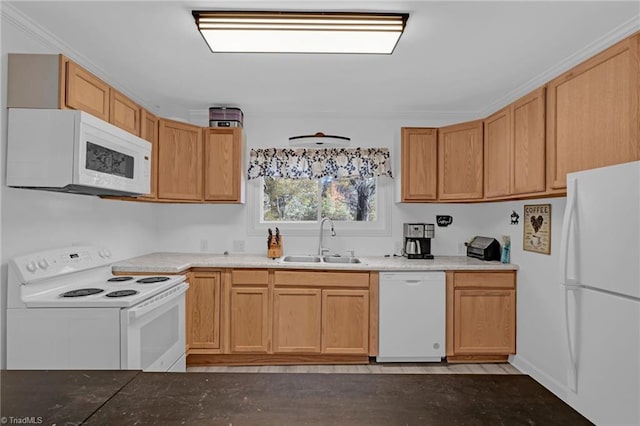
(409, 368)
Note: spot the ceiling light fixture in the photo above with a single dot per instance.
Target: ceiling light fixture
(319, 139)
(300, 32)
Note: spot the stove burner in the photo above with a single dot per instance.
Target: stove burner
(119, 279)
(121, 293)
(82, 292)
(151, 280)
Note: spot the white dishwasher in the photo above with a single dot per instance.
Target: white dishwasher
(412, 317)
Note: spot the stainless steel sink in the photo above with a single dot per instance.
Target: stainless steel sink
(302, 259)
(336, 259)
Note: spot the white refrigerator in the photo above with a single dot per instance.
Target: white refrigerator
(600, 249)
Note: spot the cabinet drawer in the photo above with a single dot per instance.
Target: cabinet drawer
(250, 276)
(485, 279)
(322, 279)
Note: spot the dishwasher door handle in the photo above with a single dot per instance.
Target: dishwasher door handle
(412, 282)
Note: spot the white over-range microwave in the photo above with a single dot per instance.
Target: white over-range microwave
(73, 151)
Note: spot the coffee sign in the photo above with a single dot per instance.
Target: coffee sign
(537, 228)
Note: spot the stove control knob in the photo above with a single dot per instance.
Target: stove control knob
(107, 253)
(43, 263)
(101, 253)
(31, 266)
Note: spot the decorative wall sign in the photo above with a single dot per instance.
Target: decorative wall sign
(444, 220)
(537, 228)
(515, 217)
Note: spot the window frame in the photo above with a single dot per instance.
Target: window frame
(380, 227)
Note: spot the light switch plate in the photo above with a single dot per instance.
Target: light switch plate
(238, 246)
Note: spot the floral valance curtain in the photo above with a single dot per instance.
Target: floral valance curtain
(317, 163)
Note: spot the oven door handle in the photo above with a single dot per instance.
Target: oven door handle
(157, 301)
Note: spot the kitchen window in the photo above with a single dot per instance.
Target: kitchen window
(295, 188)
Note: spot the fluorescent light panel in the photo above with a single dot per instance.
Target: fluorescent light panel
(299, 32)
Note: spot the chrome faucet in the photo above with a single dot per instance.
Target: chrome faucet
(321, 249)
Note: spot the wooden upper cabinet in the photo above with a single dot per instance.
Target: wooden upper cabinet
(124, 113)
(222, 164)
(460, 161)
(149, 132)
(528, 153)
(86, 92)
(179, 161)
(419, 164)
(497, 154)
(592, 113)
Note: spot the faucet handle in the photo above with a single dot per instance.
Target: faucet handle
(323, 251)
(352, 253)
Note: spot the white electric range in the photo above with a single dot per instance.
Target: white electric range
(66, 310)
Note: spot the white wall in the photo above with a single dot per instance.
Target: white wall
(39, 220)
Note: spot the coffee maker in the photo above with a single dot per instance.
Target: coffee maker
(417, 240)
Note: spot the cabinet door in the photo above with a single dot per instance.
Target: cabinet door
(249, 319)
(345, 321)
(460, 158)
(528, 123)
(296, 320)
(419, 164)
(149, 132)
(86, 92)
(485, 322)
(592, 113)
(124, 113)
(497, 154)
(203, 306)
(179, 161)
(222, 164)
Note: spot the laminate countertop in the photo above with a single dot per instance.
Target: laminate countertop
(175, 263)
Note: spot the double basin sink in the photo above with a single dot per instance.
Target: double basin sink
(318, 259)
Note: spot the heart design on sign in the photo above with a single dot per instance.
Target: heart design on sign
(536, 222)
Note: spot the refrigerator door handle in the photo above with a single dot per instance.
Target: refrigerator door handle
(566, 227)
(566, 282)
(573, 377)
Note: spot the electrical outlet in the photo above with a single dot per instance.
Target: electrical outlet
(204, 245)
(238, 246)
(397, 247)
(462, 249)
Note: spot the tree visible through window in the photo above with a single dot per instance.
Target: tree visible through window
(298, 200)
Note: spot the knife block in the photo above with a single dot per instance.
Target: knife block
(275, 249)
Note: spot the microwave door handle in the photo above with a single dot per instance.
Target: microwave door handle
(155, 302)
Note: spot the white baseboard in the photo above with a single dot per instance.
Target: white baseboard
(558, 389)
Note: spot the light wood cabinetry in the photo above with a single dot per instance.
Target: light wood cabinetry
(497, 154)
(419, 164)
(296, 320)
(149, 132)
(460, 161)
(86, 92)
(514, 148)
(249, 319)
(345, 321)
(124, 113)
(222, 164)
(481, 315)
(592, 113)
(179, 161)
(204, 310)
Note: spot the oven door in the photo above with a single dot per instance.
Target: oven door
(153, 332)
(113, 159)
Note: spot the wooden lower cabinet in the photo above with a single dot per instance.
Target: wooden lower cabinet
(249, 320)
(345, 321)
(481, 315)
(203, 311)
(296, 320)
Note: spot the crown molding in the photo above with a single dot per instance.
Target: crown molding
(622, 31)
(11, 15)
